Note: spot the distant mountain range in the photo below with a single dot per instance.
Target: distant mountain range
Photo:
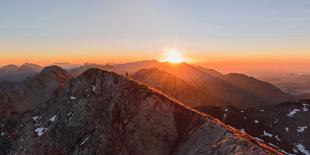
(146, 107)
(214, 88)
(101, 112)
(32, 92)
(13, 73)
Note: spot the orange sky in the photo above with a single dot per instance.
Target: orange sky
(223, 61)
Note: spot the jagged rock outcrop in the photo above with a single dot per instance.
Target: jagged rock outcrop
(101, 112)
(285, 126)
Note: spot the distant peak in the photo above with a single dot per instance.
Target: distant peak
(30, 66)
(153, 60)
(11, 66)
(237, 75)
(53, 69)
(95, 72)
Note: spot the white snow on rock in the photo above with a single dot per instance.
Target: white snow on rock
(277, 138)
(241, 111)
(267, 134)
(286, 152)
(2, 133)
(226, 110)
(93, 87)
(40, 131)
(305, 108)
(35, 118)
(262, 110)
(72, 98)
(224, 116)
(83, 142)
(286, 129)
(244, 118)
(256, 121)
(302, 149)
(293, 112)
(242, 130)
(273, 145)
(301, 129)
(259, 139)
(53, 118)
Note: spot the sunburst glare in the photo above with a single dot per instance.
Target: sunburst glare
(173, 56)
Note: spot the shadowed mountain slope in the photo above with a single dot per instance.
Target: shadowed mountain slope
(176, 87)
(231, 89)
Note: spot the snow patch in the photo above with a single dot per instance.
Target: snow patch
(302, 149)
(40, 131)
(262, 110)
(286, 129)
(84, 141)
(35, 118)
(301, 129)
(2, 133)
(242, 130)
(256, 121)
(242, 111)
(259, 139)
(224, 116)
(305, 108)
(70, 115)
(93, 87)
(72, 98)
(293, 112)
(286, 152)
(278, 138)
(244, 118)
(273, 145)
(267, 134)
(53, 118)
(226, 110)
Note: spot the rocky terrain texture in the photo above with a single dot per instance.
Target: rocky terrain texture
(101, 112)
(232, 89)
(284, 126)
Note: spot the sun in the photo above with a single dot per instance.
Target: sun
(173, 56)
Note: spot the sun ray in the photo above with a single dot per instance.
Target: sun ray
(173, 56)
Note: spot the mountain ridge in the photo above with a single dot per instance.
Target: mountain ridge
(130, 110)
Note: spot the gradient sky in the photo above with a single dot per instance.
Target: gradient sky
(105, 31)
